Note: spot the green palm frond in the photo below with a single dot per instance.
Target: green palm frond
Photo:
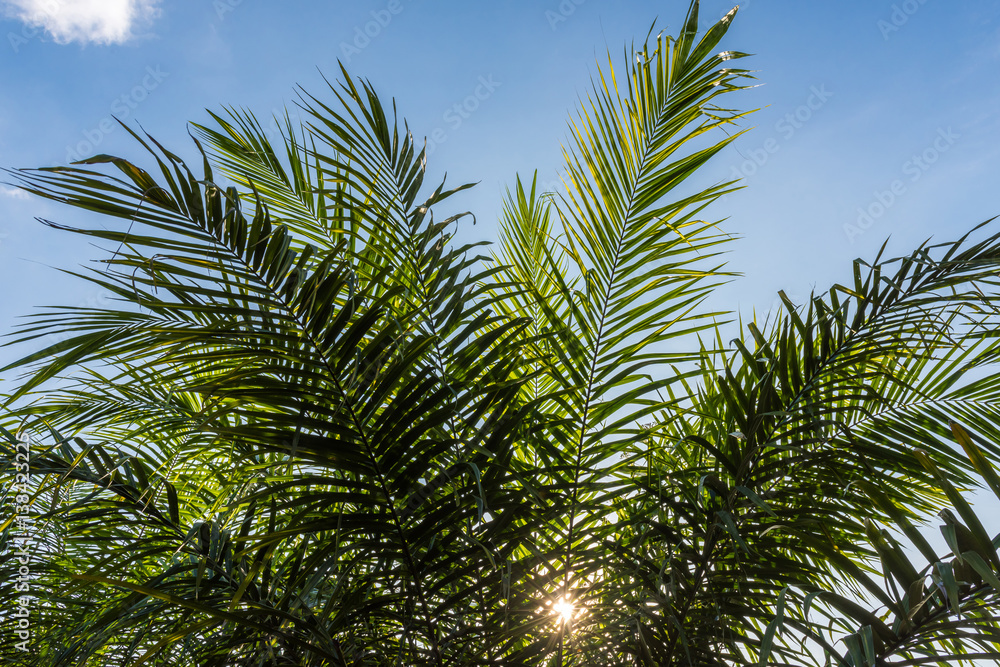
(802, 436)
(281, 359)
(616, 285)
(315, 429)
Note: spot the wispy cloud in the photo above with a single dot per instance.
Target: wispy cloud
(13, 193)
(84, 21)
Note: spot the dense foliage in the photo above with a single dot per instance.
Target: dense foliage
(315, 430)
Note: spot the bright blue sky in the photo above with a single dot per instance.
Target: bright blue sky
(852, 92)
(882, 92)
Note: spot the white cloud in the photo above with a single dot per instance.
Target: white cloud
(100, 21)
(13, 193)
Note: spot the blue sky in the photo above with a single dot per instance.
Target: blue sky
(876, 118)
(884, 107)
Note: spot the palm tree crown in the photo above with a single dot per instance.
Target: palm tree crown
(318, 430)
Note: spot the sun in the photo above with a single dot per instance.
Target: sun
(564, 609)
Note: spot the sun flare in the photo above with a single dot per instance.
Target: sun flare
(564, 609)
